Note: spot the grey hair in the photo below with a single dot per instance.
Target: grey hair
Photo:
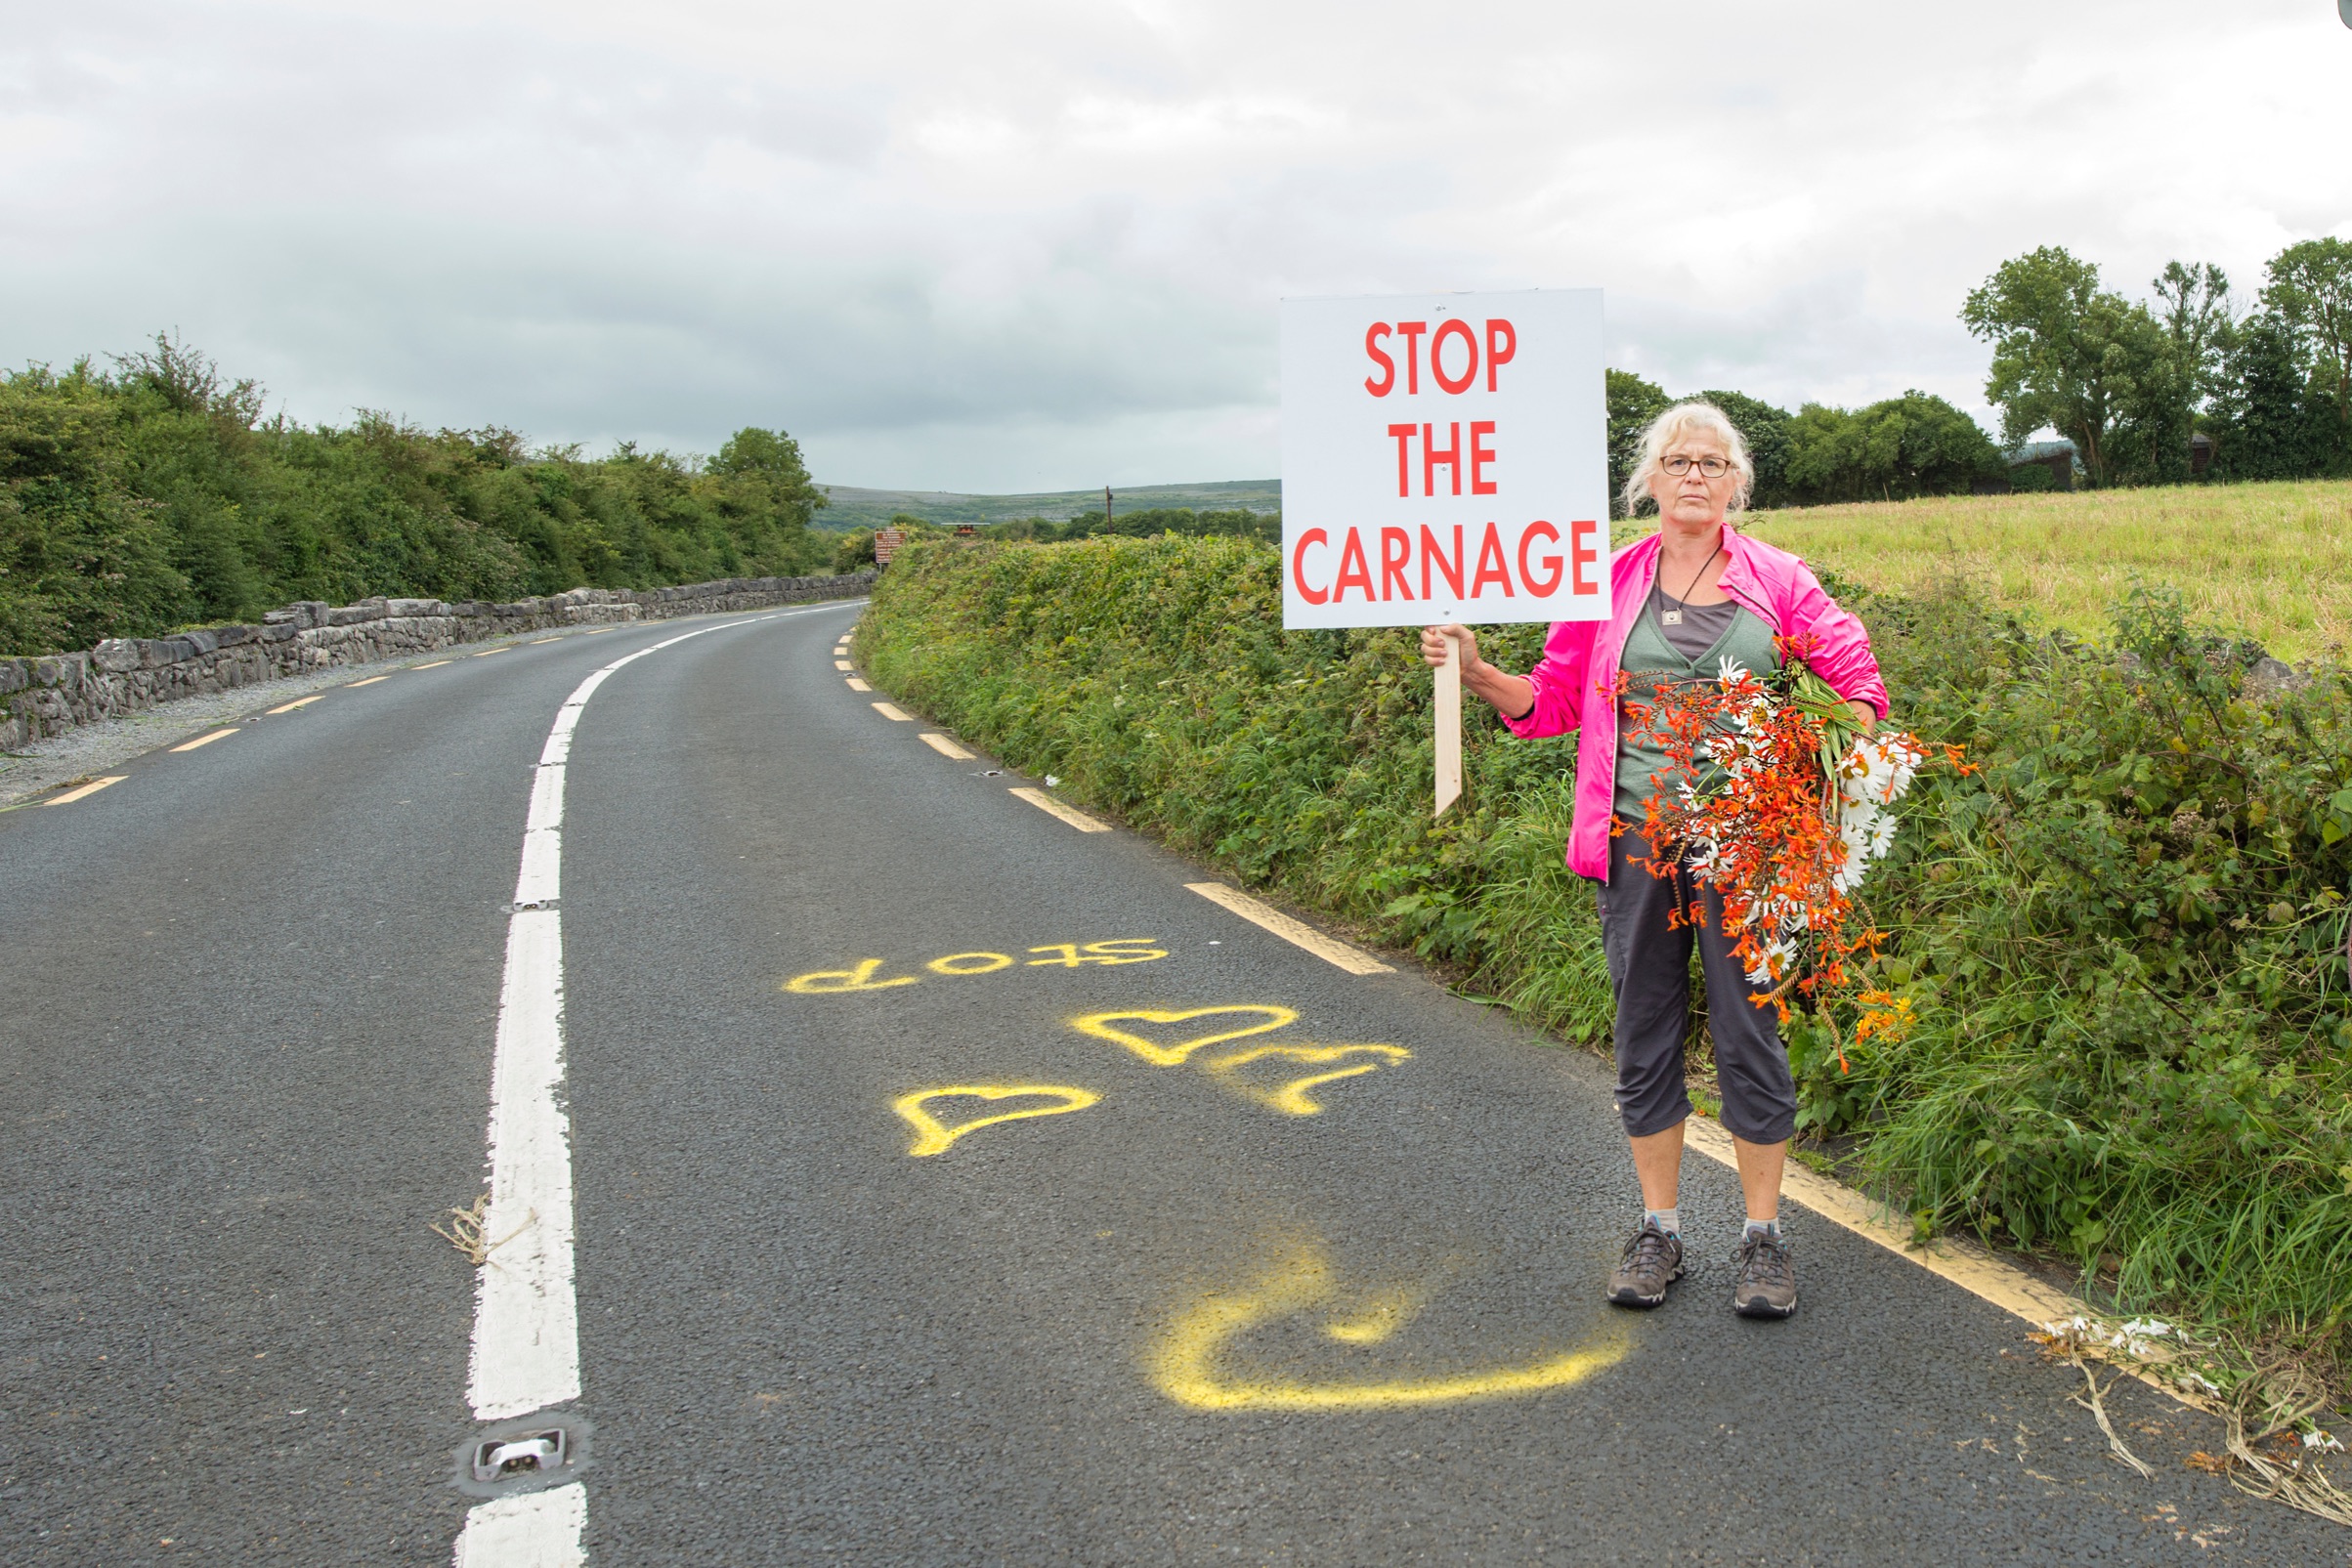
(1670, 427)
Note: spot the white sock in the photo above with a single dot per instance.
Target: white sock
(1669, 1220)
(1763, 1227)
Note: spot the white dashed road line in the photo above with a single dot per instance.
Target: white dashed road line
(526, 1532)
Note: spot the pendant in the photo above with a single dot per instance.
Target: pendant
(1672, 618)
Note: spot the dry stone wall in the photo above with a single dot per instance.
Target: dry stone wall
(48, 695)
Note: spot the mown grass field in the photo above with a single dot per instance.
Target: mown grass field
(2274, 561)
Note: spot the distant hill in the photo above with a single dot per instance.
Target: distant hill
(853, 508)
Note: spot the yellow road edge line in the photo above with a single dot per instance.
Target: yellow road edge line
(487, 651)
(1069, 814)
(1294, 932)
(370, 681)
(89, 789)
(948, 748)
(536, 641)
(300, 702)
(844, 663)
(889, 712)
(436, 664)
(204, 739)
(857, 685)
(600, 631)
(1964, 1263)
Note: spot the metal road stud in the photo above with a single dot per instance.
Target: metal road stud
(532, 1454)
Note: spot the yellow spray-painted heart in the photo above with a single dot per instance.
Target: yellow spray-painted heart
(1099, 1025)
(1290, 1098)
(931, 1135)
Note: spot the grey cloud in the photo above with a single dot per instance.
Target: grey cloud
(1041, 243)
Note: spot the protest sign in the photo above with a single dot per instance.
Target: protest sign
(1444, 458)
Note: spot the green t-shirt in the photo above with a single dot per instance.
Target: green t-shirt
(1651, 658)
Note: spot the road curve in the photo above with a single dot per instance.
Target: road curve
(950, 1184)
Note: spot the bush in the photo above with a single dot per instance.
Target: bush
(1912, 446)
(156, 496)
(2123, 938)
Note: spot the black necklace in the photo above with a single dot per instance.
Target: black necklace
(1674, 617)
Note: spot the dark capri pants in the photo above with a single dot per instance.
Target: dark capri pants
(1650, 965)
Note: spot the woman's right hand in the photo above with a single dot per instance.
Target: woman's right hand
(1433, 640)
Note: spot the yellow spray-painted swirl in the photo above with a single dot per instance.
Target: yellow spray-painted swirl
(1186, 1366)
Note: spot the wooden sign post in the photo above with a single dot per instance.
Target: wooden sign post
(1449, 726)
(1444, 460)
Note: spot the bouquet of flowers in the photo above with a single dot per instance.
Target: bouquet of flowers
(1776, 797)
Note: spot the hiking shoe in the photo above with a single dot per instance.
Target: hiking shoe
(1767, 1287)
(1652, 1261)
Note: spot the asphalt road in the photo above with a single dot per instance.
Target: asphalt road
(249, 997)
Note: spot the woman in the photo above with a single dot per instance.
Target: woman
(1694, 593)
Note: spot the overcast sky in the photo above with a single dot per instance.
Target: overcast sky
(1036, 245)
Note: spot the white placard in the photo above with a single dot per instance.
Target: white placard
(1444, 458)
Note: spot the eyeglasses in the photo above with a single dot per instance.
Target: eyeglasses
(1711, 467)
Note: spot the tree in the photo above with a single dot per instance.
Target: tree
(1633, 403)
(1914, 444)
(2065, 354)
(2176, 376)
(2194, 305)
(772, 458)
(2310, 289)
(2270, 422)
(1766, 430)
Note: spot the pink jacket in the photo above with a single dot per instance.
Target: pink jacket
(1577, 683)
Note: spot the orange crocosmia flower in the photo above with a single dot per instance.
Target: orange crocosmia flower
(1744, 801)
